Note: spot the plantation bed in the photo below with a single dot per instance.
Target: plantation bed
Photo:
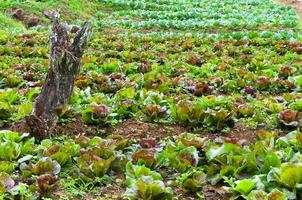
(175, 99)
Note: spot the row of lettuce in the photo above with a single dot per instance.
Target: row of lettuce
(199, 82)
(211, 113)
(268, 169)
(186, 15)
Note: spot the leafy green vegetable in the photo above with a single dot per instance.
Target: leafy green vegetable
(271, 160)
(142, 183)
(47, 183)
(95, 162)
(189, 139)
(257, 194)
(95, 114)
(290, 175)
(188, 112)
(193, 180)
(6, 182)
(13, 145)
(144, 157)
(180, 158)
(244, 186)
(6, 166)
(44, 166)
(225, 149)
(62, 153)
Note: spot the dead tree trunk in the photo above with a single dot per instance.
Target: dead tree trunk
(64, 66)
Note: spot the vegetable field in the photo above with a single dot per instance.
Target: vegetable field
(176, 99)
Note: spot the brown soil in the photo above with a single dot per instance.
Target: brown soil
(215, 193)
(111, 191)
(130, 128)
(75, 127)
(135, 129)
(239, 134)
(296, 4)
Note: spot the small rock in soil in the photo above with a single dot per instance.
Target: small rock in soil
(19, 14)
(33, 21)
(48, 13)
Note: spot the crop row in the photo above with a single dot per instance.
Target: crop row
(228, 14)
(178, 6)
(204, 83)
(237, 24)
(268, 169)
(239, 35)
(203, 14)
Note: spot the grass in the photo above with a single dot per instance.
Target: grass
(70, 10)
(10, 25)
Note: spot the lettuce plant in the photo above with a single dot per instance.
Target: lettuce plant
(142, 183)
(83, 141)
(154, 111)
(189, 139)
(290, 175)
(273, 195)
(44, 166)
(126, 108)
(192, 180)
(292, 139)
(188, 112)
(217, 120)
(145, 157)
(229, 159)
(154, 105)
(95, 162)
(6, 182)
(13, 145)
(289, 118)
(180, 158)
(47, 183)
(62, 153)
(6, 166)
(297, 105)
(243, 187)
(95, 114)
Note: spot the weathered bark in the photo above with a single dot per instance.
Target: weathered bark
(64, 66)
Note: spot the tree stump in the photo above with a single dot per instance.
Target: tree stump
(64, 66)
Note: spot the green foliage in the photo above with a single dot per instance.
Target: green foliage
(188, 15)
(6, 166)
(188, 112)
(76, 9)
(95, 114)
(44, 166)
(290, 175)
(270, 160)
(13, 146)
(193, 180)
(237, 64)
(62, 153)
(142, 183)
(95, 162)
(244, 186)
(296, 105)
(6, 182)
(179, 158)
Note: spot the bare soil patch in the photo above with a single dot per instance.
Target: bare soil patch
(135, 129)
